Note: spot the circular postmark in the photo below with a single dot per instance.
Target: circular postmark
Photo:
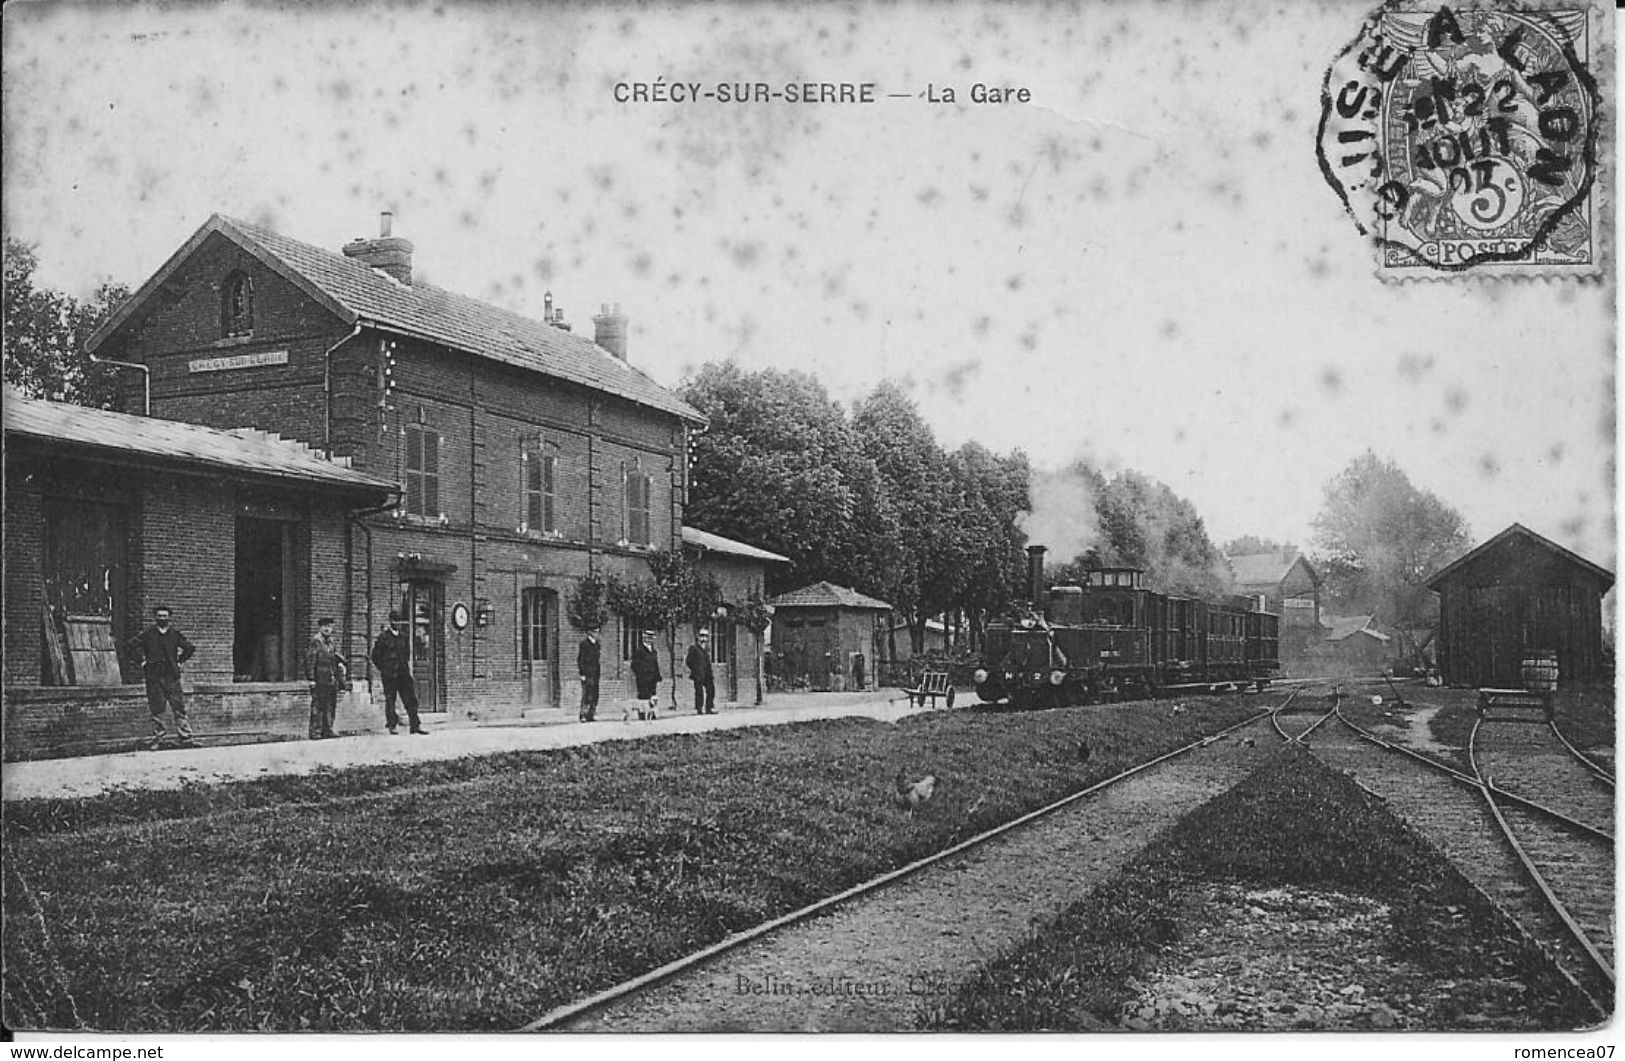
(1463, 136)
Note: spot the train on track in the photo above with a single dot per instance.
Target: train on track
(1115, 638)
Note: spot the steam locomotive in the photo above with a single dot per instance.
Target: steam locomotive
(1113, 638)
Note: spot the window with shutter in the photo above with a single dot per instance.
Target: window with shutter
(637, 508)
(422, 471)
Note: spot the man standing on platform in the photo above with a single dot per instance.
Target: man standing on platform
(326, 670)
(393, 658)
(159, 651)
(587, 667)
(699, 669)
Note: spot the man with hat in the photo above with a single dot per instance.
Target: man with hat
(393, 658)
(646, 674)
(699, 669)
(587, 667)
(326, 670)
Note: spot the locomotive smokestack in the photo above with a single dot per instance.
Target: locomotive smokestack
(1035, 574)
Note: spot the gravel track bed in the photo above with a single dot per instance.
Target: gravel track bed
(1579, 869)
(1297, 959)
(1528, 760)
(868, 965)
(1455, 819)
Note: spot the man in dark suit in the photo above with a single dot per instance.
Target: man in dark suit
(159, 651)
(646, 675)
(326, 670)
(699, 670)
(393, 658)
(587, 667)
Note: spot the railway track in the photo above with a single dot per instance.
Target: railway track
(1568, 855)
(843, 932)
(1514, 864)
(838, 941)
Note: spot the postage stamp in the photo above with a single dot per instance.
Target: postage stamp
(1466, 138)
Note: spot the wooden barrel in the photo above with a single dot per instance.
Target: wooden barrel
(1540, 671)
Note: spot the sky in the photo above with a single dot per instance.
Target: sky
(1142, 265)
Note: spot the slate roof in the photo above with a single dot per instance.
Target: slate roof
(1343, 627)
(827, 595)
(1518, 530)
(120, 436)
(357, 293)
(1264, 569)
(718, 544)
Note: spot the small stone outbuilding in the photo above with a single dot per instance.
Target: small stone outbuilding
(819, 634)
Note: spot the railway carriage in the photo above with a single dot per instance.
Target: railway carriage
(1113, 637)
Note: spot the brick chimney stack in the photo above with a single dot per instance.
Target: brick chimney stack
(609, 330)
(392, 254)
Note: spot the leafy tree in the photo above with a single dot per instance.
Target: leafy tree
(994, 493)
(936, 537)
(1379, 539)
(779, 467)
(45, 335)
(1252, 545)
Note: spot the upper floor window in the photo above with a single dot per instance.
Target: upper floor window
(541, 475)
(237, 305)
(638, 489)
(422, 471)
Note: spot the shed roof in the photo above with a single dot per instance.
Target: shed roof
(120, 436)
(1268, 569)
(360, 294)
(718, 544)
(827, 595)
(1343, 627)
(1516, 532)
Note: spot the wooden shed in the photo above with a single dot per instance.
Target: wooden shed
(1513, 596)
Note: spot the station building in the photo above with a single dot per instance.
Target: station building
(526, 456)
(1290, 587)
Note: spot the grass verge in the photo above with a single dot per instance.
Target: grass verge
(1292, 823)
(479, 893)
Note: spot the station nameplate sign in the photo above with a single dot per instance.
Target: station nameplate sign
(223, 364)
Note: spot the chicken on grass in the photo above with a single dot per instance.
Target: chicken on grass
(911, 795)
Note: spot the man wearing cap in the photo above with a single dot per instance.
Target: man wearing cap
(326, 670)
(699, 669)
(159, 651)
(393, 658)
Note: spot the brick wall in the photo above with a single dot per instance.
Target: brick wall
(182, 325)
(50, 723)
(25, 550)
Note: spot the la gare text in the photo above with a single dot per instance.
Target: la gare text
(663, 91)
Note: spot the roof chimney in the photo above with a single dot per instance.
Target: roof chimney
(391, 254)
(552, 316)
(609, 330)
